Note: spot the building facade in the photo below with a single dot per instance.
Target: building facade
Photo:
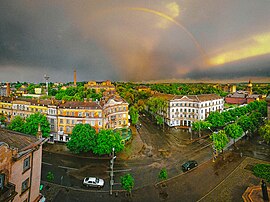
(100, 86)
(110, 113)
(20, 166)
(182, 111)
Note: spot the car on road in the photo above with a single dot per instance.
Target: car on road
(93, 182)
(189, 165)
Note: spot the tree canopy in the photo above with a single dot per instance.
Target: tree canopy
(233, 130)
(216, 119)
(32, 122)
(17, 124)
(134, 114)
(220, 140)
(264, 132)
(83, 138)
(127, 182)
(106, 140)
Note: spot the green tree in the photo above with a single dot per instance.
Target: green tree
(127, 182)
(32, 122)
(134, 114)
(159, 120)
(201, 125)
(264, 132)
(106, 140)
(245, 123)
(234, 131)
(163, 174)
(83, 138)
(262, 171)
(2, 118)
(17, 124)
(216, 119)
(220, 140)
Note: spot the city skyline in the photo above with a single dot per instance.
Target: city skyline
(137, 41)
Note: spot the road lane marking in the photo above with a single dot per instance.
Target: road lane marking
(68, 168)
(115, 171)
(49, 164)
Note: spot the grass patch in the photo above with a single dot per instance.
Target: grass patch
(262, 171)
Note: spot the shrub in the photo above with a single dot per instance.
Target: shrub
(163, 175)
(262, 171)
(50, 176)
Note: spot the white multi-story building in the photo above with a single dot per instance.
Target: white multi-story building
(182, 110)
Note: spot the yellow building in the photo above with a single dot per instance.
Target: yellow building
(75, 112)
(110, 113)
(99, 86)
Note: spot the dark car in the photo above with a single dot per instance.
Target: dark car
(189, 165)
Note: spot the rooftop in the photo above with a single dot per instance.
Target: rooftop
(16, 140)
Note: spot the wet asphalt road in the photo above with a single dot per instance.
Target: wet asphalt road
(169, 149)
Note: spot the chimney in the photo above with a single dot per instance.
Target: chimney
(75, 78)
(52, 101)
(63, 101)
(39, 133)
(8, 89)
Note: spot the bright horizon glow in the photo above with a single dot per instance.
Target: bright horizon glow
(255, 46)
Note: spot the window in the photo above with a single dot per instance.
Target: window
(26, 164)
(68, 129)
(61, 121)
(67, 113)
(25, 185)
(80, 114)
(68, 121)
(73, 121)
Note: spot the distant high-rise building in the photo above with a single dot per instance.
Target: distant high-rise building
(75, 78)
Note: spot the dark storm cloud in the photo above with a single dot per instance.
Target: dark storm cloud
(249, 68)
(41, 36)
(107, 40)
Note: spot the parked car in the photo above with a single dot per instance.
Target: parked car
(189, 165)
(93, 182)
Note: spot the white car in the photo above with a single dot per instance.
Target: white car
(93, 182)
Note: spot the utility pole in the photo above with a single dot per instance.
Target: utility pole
(111, 173)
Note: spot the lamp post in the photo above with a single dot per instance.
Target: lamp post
(111, 173)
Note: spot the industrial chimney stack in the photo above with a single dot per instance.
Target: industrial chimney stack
(8, 90)
(75, 81)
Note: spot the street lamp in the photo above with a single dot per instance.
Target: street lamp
(111, 173)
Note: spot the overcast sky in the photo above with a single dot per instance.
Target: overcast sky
(134, 40)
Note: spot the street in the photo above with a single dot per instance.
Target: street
(169, 149)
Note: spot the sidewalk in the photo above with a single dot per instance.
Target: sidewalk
(234, 185)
